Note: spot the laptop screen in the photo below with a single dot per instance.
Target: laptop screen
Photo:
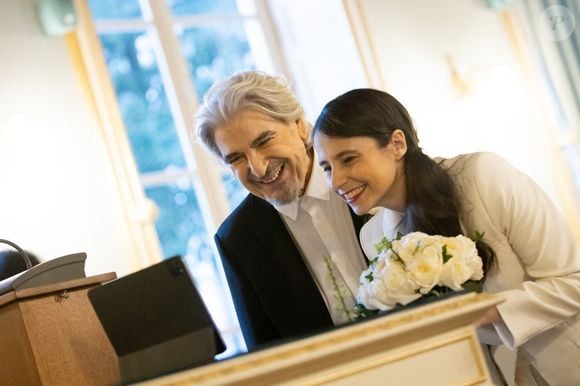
(152, 306)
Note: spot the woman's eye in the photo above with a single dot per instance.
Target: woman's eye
(348, 160)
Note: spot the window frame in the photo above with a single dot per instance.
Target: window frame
(201, 168)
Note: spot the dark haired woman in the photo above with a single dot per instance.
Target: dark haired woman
(370, 152)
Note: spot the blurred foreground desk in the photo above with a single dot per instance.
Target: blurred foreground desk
(50, 335)
(434, 344)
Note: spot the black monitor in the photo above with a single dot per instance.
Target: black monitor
(156, 321)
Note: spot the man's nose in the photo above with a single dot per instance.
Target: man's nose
(258, 164)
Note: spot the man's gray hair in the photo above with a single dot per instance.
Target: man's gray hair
(247, 90)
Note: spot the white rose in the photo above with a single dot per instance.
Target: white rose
(472, 258)
(425, 268)
(366, 296)
(372, 270)
(460, 246)
(397, 282)
(390, 286)
(464, 248)
(455, 272)
(408, 245)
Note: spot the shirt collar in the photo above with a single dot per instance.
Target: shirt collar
(391, 221)
(316, 189)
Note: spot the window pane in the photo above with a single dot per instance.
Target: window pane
(213, 53)
(180, 224)
(192, 7)
(234, 190)
(144, 106)
(115, 9)
(182, 232)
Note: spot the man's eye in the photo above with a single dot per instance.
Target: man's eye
(265, 141)
(233, 160)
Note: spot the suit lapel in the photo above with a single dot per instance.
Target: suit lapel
(358, 222)
(279, 245)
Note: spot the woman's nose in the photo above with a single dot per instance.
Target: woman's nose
(337, 179)
(257, 164)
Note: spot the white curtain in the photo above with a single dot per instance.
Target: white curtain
(553, 36)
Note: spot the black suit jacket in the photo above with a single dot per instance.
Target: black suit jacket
(274, 293)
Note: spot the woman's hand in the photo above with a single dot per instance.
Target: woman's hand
(491, 316)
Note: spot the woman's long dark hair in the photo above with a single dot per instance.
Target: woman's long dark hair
(432, 202)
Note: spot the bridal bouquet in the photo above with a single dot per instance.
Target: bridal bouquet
(417, 265)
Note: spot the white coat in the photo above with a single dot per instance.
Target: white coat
(537, 267)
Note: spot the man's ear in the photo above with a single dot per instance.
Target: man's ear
(302, 129)
(399, 142)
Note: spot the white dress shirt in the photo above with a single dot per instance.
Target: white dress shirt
(322, 227)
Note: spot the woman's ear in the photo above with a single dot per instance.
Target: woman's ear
(399, 142)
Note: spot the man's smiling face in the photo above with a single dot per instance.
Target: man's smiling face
(268, 156)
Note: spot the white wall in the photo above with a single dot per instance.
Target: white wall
(58, 194)
(318, 49)
(411, 40)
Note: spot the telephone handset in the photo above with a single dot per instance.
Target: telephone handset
(53, 271)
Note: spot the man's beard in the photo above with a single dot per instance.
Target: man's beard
(291, 192)
(288, 195)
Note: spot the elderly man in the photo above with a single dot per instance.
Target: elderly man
(290, 249)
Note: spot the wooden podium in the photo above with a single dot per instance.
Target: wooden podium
(50, 335)
(434, 344)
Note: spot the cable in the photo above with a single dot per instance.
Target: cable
(20, 252)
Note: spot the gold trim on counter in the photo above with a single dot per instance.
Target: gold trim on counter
(436, 316)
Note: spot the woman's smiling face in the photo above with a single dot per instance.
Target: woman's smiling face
(363, 173)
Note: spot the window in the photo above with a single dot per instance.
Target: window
(161, 58)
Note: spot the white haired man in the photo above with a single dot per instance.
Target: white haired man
(275, 245)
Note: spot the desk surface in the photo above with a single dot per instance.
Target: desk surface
(65, 285)
(450, 319)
